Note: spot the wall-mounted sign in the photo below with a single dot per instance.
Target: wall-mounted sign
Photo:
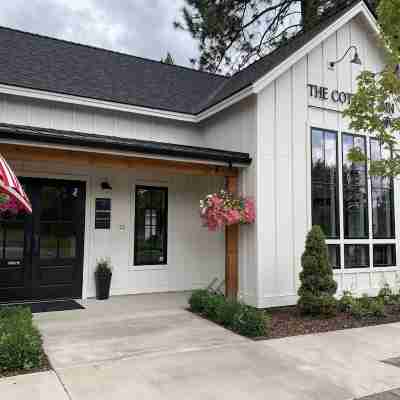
(102, 214)
(337, 96)
(323, 93)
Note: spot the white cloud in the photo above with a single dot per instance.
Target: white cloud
(139, 27)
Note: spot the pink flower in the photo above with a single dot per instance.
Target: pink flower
(232, 216)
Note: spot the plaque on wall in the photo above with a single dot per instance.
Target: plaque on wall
(103, 214)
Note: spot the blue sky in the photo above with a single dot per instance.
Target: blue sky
(139, 27)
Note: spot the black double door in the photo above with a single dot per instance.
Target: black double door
(41, 255)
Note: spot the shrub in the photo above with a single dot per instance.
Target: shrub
(316, 293)
(226, 312)
(243, 319)
(20, 341)
(198, 300)
(376, 308)
(212, 306)
(250, 322)
(387, 296)
(364, 307)
(346, 302)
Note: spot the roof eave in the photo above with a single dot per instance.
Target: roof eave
(151, 148)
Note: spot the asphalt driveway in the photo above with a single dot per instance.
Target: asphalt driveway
(150, 347)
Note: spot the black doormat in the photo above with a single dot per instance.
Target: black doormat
(49, 306)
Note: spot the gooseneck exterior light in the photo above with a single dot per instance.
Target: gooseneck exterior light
(355, 60)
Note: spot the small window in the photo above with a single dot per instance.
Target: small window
(384, 255)
(103, 214)
(151, 207)
(356, 256)
(334, 255)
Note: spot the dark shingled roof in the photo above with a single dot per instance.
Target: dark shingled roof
(43, 63)
(73, 138)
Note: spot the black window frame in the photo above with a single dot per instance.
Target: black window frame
(363, 245)
(391, 191)
(369, 241)
(366, 142)
(338, 255)
(336, 185)
(163, 189)
(377, 245)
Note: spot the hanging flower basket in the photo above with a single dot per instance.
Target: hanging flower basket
(223, 209)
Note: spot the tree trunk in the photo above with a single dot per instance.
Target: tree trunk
(309, 13)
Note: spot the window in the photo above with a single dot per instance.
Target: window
(355, 211)
(356, 256)
(382, 197)
(325, 203)
(334, 255)
(355, 189)
(151, 206)
(384, 255)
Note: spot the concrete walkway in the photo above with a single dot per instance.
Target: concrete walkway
(148, 346)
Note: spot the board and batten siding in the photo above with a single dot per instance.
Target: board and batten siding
(235, 129)
(53, 115)
(285, 115)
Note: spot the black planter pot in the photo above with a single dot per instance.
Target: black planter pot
(103, 282)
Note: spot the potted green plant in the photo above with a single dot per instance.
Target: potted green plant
(103, 276)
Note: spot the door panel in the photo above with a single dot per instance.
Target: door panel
(41, 256)
(14, 261)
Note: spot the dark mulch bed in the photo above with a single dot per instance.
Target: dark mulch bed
(286, 321)
(45, 366)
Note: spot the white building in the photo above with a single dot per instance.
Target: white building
(75, 120)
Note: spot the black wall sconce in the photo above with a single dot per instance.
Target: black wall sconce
(355, 60)
(105, 185)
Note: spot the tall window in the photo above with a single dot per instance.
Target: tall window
(382, 197)
(151, 207)
(365, 236)
(324, 176)
(355, 190)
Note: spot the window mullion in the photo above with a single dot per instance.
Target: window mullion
(340, 188)
(369, 199)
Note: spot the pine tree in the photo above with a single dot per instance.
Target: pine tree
(317, 284)
(168, 59)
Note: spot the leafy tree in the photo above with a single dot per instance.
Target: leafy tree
(168, 59)
(375, 107)
(317, 283)
(234, 33)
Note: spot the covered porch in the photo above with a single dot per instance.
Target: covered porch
(194, 256)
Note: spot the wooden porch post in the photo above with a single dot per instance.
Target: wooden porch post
(232, 249)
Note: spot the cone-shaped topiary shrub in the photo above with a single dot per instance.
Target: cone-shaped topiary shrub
(317, 284)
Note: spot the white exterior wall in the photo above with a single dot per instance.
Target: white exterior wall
(194, 258)
(235, 129)
(286, 114)
(46, 114)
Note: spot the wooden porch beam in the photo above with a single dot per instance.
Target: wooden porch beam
(232, 249)
(85, 158)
